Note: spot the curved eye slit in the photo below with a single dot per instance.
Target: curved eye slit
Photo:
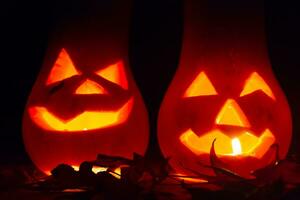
(256, 82)
(63, 68)
(201, 86)
(115, 73)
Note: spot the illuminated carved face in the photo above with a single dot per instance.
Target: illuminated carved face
(76, 111)
(84, 89)
(237, 137)
(244, 111)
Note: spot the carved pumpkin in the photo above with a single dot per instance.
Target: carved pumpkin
(223, 90)
(85, 101)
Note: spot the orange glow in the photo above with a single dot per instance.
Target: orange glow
(236, 146)
(201, 86)
(90, 87)
(117, 173)
(87, 120)
(232, 114)
(96, 169)
(246, 144)
(115, 73)
(190, 180)
(256, 82)
(62, 69)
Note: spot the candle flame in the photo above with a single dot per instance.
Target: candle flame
(236, 146)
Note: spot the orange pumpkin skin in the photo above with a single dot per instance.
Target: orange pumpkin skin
(236, 96)
(85, 77)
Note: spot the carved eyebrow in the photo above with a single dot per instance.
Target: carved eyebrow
(256, 82)
(201, 86)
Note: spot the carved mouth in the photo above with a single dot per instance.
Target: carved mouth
(245, 144)
(88, 120)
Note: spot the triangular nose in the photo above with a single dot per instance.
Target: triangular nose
(90, 87)
(231, 114)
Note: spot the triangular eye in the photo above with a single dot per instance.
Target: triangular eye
(115, 73)
(62, 69)
(201, 86)
(256, 82)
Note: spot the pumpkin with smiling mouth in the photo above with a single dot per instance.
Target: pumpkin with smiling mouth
(85, 101)
(231, 116)
(223, 93)
(87, 120)
(80, 115)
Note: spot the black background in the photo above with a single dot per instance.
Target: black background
(155, 44)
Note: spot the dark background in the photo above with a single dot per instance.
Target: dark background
(155, 46)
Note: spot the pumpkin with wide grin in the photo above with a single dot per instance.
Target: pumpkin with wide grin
(88, 119)
(237, 137)
(239, 122)
(85, 101)
(224, 94)
(77, 111)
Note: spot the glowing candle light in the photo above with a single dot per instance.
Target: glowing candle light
(236, 146)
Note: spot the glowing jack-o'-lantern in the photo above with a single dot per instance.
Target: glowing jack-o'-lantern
(224, 91)
(84, 101)
(230, 115)
(87, 120)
